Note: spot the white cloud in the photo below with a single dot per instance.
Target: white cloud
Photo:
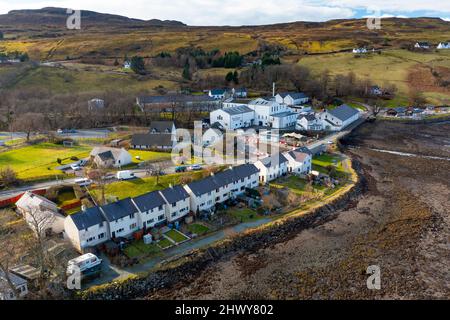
(235, 12)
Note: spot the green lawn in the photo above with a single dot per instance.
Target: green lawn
(197, 228)
(136, 187)
(164, 243)
(148, 155)
(38, 161)
(140, 249)
(323, 161)
(244, 214)
(176, 236)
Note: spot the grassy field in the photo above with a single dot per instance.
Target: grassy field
(39, 161)
(391, 66)
(140, 249)
(197, 228)
(176, 236)
(243, 214)
(148, 155)
(136, 187)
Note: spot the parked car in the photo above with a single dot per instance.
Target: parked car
(83, 182)
(125, 175)
(180, 169)
(75, 167)
(196, 167)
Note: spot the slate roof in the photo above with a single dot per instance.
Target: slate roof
(237, 110)
(293, 95)
(107, 155)
(161, 126)
(174, 194)
(284, 114)
(149, 201)
(174, 99)
(216, 92)
(304, 150)
(152, 140)
(268, 161)
(16, 280)
(299, 155)
(88, 218)
(119, 209)
(309, 117)
(223, 178)
(343, 112)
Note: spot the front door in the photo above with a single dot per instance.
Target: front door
(113, 234)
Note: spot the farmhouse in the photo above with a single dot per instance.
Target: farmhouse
(422, 45)
(359, 50)
(152, 209)
(87, 228)
(233, 117)
(309, 122)
(96, 104)
(272, 167)
(292, 98)
(162, 127)
(443, 45)
(299, 160)
(20, 285)
(122, 218)
(239, 92)
(217, 94)
(41, 214)
(177, 202)
(148, 141)
(107, 157)
(338, 118)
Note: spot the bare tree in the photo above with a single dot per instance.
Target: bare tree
(156, 168)
(98, 175)
(29, 122)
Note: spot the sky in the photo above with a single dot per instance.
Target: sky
(245, 12)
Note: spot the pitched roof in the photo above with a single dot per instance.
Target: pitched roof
(152, 140)
(299, 156)
(88, 218)
(343, 112)
(30, 200)
(148, 201)
(16, 280)
(215, 92)
(274, 159)
(107, 155)
(174, 194)
(284, 114)
(103, 152)
(309, 117)
(293, 95)
(304, 150)
(237, 110)
(119, 209)
(161, 126)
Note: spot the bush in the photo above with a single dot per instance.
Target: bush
(59, 160)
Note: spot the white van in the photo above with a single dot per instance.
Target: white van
(83, 182)
(125, 175)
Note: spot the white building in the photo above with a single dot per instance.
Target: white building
(152, 209)
(443, 45)
(41, 214)
(107, 157)
(96, 104)
(122, 217)
(177, 203)
(269, 113)
(292, 98)
(219, 187)
(217, 94)
(212, 136)
(299, 160)
(272, 167)
(309, 122)
(338, 118)
(233, 117)
(20, 286)
(86, 228)
(359, 50)
(422, 45)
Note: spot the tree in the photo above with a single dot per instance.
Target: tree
(8, 177)
(116, 62)
(187, 71)
(29, 122)
(156, 168)
(98, 175)
(138, 65)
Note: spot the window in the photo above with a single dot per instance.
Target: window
(132, 226)
(161, 217)
(120, 230)
(174, 214)
(160, 207)
(150, 221)
(174, 204)
(101, 235)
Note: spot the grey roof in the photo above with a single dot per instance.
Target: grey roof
(400, 109)
(88, 218)
(174, 194)
(107, 155)
(310, 117)
(119, 209)
(294, 95)
(343, 112)
(152, 140)
(218, 91)
(304, 150)
(161, 126)
(222, 178)
(284, 114)
(274, 159)
(16, 280)
(174, 99)
(149, 201)
(240, 90)
(237, 110)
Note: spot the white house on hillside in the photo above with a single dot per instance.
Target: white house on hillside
(292, 98)
(272, 167)
(422, 45)
(339, 118)
(443, 45)
(359, 50)
(299, 160)
(233, 117)
(218, 94)
(107, 157)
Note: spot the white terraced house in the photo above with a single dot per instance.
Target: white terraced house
(152, 209)
(299, 160)
(87, 228)
(206, 193)
(122, 217)
(177, 203)
(292, 98)
(272, 167)
(309, 122)
(339, 118)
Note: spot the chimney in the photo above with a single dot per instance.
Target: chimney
(273, 89)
